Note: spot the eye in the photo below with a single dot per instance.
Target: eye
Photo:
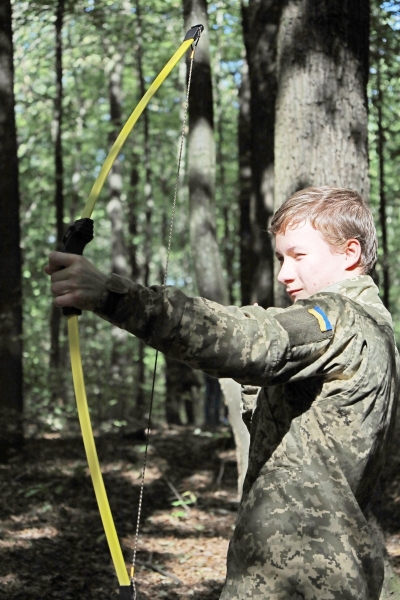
(299, 256)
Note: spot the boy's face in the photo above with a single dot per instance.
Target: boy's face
(308, 263)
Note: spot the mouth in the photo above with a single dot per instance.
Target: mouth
(293, 293)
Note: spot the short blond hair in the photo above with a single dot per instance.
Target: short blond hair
(340, 214)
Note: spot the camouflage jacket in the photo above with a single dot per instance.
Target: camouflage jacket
(321, 383)
(327, 368)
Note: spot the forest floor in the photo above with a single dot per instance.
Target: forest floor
(52, 543)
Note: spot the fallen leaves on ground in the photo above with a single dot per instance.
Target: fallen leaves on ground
(52, 543)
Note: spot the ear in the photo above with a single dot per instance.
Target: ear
(353, 254)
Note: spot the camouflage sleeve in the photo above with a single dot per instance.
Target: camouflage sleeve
(249, 344)
(153, 314)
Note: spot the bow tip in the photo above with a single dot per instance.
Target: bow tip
(194, 33)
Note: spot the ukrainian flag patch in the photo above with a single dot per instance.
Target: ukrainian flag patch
(323, 321)
(305, 326)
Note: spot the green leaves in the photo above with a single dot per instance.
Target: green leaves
(384, 137)
(188, 498)
(91, 32)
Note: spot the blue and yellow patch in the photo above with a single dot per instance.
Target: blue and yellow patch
(323, 321)
(305, 326)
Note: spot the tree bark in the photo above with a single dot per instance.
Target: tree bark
(232, 394)
(382, 187)
(246, 198)
(201, 175)
(321, 109)
(132, 204)
(179, 378)
(11, 403)
(119, 262)
(201, 165)
(149, 203)
(260, 27)
(148, 187)
(119, 252)
(180, 383)
(56, 313)
(229, 240)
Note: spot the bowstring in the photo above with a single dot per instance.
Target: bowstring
(171, 227)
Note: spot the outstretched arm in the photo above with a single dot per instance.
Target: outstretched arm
(200, 333)
(249, 344)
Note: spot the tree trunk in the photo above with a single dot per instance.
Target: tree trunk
(11, 430)
(172, 392)
(382, 187)
(119, 253)
(321, 109)
(119, 262)
(148, 187)
(180, 383)
(148, 191)
(260, 26)
(201, 165)
(201, 175)
(56, 313)
(179, 378)
(229, 240)
(246, 198)
(232, 394)
(132, 204)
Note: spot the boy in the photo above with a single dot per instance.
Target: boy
(328, 371)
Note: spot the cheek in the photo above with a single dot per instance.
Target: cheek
(315, 277)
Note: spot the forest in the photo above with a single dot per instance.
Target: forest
(284, 94)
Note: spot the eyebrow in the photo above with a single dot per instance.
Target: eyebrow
(292, 250)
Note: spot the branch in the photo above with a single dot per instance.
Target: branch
(152, 567)
(177, 494)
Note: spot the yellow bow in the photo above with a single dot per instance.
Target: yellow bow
(191, 38)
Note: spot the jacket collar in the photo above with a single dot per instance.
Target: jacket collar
(362, 289)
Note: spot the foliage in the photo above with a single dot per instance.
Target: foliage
(92, 32)
(385, 56)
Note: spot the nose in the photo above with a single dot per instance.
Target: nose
(286, 274)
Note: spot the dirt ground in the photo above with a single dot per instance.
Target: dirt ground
(52, 543)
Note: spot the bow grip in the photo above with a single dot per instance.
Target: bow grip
(75, 239)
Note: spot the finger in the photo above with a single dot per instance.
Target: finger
(53, 265)
(64, 300)
(62, 275)
(50, 269)
(61, 288)
(70, 298)
(58, 260)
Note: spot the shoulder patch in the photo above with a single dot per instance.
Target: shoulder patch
(324, 323)
(305, 326)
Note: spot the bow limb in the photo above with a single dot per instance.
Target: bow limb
(91, 453)
(191, 38)
(119, 142)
